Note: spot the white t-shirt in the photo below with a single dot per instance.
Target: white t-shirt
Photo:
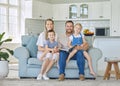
(80, 35)
(41, 41)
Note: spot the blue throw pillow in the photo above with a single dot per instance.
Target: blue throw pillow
(32, 47)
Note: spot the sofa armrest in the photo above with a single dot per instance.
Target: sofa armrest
(21, 52)
(95, 53)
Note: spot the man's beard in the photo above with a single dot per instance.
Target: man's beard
(69, 31)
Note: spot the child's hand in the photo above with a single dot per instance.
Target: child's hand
(81, 45)
(56, 49)
(53, 50)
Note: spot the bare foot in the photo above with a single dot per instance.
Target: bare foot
(93, 73)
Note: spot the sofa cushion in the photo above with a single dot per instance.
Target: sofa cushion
(25, 39)
(32, 47)
(73, 64)
(34, 61)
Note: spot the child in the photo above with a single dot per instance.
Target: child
(77, 39)
(52, 45)
(51, 52)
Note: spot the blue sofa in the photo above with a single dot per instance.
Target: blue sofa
(29, 65)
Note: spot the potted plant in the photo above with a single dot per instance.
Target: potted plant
(4, 55)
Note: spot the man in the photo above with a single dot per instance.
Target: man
(69, 27)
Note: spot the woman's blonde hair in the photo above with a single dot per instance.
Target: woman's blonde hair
(46, 28)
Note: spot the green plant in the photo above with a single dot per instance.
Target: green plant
(4, 52)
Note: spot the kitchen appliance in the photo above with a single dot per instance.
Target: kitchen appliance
(102, 31)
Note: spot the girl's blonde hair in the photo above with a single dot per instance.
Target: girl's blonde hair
(46, 28)
(78, 24)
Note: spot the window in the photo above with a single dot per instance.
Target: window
(3, 19)
(10, 19)
(13, 2)
(73, 11)
(84, 11)
(3, 1)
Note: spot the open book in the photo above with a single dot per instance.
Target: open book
(67, 49)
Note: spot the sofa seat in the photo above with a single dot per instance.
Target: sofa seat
(71, 64)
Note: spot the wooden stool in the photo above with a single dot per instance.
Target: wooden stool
(108, 69)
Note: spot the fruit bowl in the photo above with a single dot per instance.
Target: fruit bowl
(88, 34)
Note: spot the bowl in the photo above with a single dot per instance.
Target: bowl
(88, 34)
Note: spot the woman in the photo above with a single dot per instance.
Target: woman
(49, 25)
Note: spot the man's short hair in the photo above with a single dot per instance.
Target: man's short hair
(69, 21)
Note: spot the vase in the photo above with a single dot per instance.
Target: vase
(4, 69)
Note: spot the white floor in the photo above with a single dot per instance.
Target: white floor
(13, 71)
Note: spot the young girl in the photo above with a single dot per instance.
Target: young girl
(77, 39)
(49, 25)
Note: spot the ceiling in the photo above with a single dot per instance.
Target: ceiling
(70, 1)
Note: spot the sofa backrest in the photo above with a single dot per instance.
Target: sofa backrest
(29, 41)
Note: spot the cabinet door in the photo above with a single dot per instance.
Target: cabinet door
(41, 10)
(99, 10)
(106, 9)
(115, 19)
(60, 11)
(94, 10)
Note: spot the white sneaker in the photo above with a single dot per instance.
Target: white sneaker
(39, 77)
(45, 77)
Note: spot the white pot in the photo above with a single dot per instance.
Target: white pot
(4, 69)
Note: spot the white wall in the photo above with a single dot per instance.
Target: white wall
(110, 47)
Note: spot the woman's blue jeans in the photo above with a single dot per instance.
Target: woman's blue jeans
(79, 57)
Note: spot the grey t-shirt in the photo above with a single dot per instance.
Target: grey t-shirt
(51, 45)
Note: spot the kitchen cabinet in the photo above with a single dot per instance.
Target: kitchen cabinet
(96, 10)
(115, 18)
(99, 10)
(60, 12)
(41, 10)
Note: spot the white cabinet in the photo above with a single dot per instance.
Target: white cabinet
(41, 10)
(115, 18)
(99, 10)
(60, 11)
(106, 10)
(96, 10)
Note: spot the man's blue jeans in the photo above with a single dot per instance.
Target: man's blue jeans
(78, 56)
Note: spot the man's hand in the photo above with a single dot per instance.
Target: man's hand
(84, 46)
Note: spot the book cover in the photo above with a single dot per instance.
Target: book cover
(67, 49)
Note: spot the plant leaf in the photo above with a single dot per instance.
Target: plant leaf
(1, 35)
(6, 40)
(10, 51)
(4, 55)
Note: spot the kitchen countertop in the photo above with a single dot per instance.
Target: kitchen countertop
(106, 36)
